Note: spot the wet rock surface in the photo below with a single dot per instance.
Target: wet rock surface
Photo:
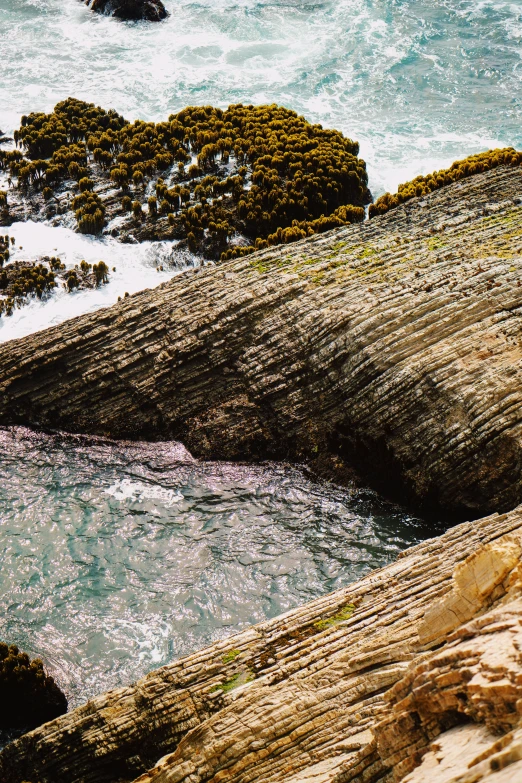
(130, 10)
(306, 696)
(393, 345)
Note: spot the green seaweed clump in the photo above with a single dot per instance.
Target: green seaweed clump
(28, 696)
(90, 212)
(422, 185)
(4, 249)
(21, 280)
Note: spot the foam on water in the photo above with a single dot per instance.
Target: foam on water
(418, 83)
(136, 269)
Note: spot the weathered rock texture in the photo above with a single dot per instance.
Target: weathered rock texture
(296, 699)
(131, 10)
(456, 717)
(394, 345)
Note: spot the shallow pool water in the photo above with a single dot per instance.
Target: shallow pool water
(120, 557)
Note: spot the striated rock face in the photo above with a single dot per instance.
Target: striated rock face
(456, 717)
(306, 696)
(131, 10)
(393, 345)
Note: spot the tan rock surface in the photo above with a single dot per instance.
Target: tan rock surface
(393, 345)
(456, 717)
(296, 698)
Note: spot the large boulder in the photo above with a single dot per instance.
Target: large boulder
(131, 10)
(28, 695)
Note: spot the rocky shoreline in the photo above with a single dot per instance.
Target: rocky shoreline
(391, 345)
(370, 683)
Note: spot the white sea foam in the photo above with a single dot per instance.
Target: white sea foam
(136, 269)
(127, 489)
(418, 85)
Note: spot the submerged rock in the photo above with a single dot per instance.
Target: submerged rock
(131, 10)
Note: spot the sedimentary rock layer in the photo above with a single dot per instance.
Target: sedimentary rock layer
(394, 345)
(296, 699)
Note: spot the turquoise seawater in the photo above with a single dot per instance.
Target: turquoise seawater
(418, 83)
(117, 558)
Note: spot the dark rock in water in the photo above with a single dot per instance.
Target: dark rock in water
(132, 10)
(29, 697)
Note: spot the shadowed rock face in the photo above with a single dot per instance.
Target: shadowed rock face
(393, 345)
(131, 10)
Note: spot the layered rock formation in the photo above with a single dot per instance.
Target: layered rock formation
(306, 696)
(394, 345)
(130, 10)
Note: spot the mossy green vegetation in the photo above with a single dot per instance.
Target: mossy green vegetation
(241, 678)
(28, 696)
(230, 656)
(422, 185)
(262, 173)
(344, 614)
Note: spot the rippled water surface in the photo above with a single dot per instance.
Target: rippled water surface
(117, 558)
(417, 82)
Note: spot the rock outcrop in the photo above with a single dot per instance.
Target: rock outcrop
(393, 345)
(28, 695)
(306, 696)
(131, 10)
(457, 716)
